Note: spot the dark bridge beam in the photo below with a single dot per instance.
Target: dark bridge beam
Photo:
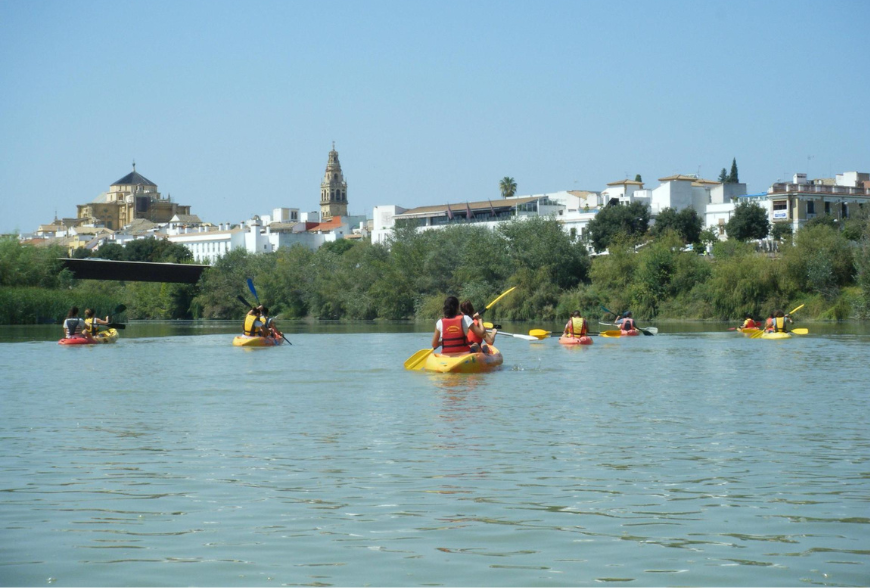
(134, 271)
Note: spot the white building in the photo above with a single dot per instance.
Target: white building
(486, 213)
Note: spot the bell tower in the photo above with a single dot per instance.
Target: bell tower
(333, 189)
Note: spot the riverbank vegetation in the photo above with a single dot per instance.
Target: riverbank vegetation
(653, 273)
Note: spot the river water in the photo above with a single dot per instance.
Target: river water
(689, 458)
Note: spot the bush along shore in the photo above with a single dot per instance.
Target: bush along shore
(652, 274)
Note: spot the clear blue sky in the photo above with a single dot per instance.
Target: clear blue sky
(232, 107)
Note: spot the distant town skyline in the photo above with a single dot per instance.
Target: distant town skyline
(233, 109)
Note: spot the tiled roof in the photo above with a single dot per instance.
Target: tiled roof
(626, 183)
(329, 225)
(482, 205)
(684, 178)
(134, 178)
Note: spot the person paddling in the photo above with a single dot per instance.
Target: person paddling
(576, 327)
(779, 322)
(451, 330)
(628, 323)
(477, 343)
(268, 323)
(253, 326)
(91, 322)
(768, 324)
(74, 326)
(749, 322)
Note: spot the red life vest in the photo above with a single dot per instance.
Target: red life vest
(628, 324)
(471, 335)
(453, 339)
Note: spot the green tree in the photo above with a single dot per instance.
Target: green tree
(733, 178)
(862, 270)
(827, 220)
(687, 223)
(111, 251)
(781, 231)
(637, 178)
(749, 222)
(507, 186)
(632, 221)
(156, 250)
(821, 261)
(723, 176)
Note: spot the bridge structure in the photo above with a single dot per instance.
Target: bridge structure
(134, 271)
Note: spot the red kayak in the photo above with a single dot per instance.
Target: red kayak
(585, 340)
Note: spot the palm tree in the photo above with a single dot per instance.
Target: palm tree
(508, 187)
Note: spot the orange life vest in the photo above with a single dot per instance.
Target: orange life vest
(453, 339)
(628, 324)
(471, 335)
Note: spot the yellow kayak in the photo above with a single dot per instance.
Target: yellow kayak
(776, 336)
(246, 341)
(464, 363)
(747, 332)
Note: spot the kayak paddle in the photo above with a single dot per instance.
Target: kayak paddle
(800, 331)
(503, 294)
(253, 290)
(418, 360)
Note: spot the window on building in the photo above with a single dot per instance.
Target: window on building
(811, 207)
(827, 208)
(781, 205)
(844, 210)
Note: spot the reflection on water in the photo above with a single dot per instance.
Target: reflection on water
(703, 459)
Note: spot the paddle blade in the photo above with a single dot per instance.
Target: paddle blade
(539, 333)
(241, 299)
(613, 333)
(503, 294)
(119, 309)
(797, 309)
(653, 330)
(253, 290)
(800, 331)
(418, 360)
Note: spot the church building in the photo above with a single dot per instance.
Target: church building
(333, 189)
(133, 196)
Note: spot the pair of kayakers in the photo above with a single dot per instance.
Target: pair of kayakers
(258, 323)
(460, 330)
(75, 326)
(777, 322)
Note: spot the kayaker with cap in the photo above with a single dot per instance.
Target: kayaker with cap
(576, 326)
(627, 322)
(451, 330)
(91, 322)
(253, 325)
(476, 342)
(779, 322)
(74, 326)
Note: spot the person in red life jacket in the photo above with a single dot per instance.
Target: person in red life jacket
(779, 322)
(749, 322)
(451, 331)
(576, 326)
(477, 343)
(627, 322)
(768, 324)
